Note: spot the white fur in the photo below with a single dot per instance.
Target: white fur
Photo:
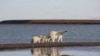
(52, 37)
(36, 39)
(59, 38)
(45, 39)
(55, 36)
(41, 39)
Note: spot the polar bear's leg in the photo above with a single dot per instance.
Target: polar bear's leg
(38, 41)
(34, 41)
(53, 40)
(59, 38)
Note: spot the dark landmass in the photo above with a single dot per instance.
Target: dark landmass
(39, 45)
(50, 22)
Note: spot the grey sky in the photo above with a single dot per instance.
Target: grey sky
(49, 9)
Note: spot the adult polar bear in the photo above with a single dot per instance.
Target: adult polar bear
(57, 35)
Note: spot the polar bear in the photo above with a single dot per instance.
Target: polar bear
(57, 35)
(36, 39)
(45, 39)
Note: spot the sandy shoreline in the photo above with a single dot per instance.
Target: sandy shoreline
(30, 45)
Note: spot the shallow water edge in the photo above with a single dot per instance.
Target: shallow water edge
(39, 45)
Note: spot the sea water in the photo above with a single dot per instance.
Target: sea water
(23, 33)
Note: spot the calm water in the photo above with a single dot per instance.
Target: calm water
(54, 51)
(23, 33)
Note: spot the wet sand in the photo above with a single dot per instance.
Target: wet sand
(39, 45)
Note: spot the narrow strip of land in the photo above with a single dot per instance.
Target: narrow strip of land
(39, 45)
(50, 22)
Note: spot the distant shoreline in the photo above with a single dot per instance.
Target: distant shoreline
(50, 22)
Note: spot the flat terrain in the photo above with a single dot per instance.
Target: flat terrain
(56, 44)
(50, 22)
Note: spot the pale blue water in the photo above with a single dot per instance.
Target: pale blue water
(23, 33)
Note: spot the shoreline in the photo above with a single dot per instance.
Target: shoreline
(39, 45)
(50, 22)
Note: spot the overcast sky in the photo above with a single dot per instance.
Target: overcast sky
(49, 9)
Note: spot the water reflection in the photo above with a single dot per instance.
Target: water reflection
(54, 51)
(46, 51)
